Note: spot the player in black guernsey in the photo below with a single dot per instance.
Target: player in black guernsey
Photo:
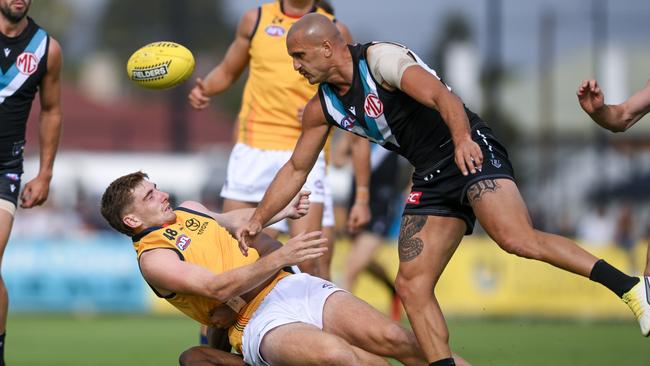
(386, 93)
(30, 62)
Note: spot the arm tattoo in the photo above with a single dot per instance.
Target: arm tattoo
(477, 189)
(408, 246)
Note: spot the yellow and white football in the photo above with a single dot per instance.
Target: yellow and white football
(160, 65)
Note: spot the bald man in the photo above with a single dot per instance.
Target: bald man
(384, 92)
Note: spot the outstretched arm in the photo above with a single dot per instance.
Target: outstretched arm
(614, 117)
(37, 190)
(230, 68)
(293, 174)
(233, 220)
(360, 210)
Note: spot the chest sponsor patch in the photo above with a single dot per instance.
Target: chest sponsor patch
(183, 242)
(27, 63)
(373, 106)
(274, 30)
(414, 198)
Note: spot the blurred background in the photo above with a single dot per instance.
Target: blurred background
(76, 296)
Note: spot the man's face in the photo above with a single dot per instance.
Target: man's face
(150, 207)
(14, 10)
(309, 60)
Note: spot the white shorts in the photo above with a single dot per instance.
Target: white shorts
(251, 170)
(299, 298)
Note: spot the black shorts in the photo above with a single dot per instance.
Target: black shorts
(441, 190)
(10, 185)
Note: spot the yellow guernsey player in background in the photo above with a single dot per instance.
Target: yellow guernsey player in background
(269, 119)
(187, 256)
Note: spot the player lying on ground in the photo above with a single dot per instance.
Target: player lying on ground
(189, 258)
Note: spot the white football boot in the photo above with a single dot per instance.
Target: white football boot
(638, 299)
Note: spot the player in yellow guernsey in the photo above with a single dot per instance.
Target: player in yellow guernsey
(269, 119)
(188, 257)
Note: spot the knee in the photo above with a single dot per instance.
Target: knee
(396, 337)
(189, 356)
(526, 247)
(337, 352)
(411, 289)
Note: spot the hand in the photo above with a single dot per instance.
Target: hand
(222, 317)
(198, 96)
(35, 192)
(247, 233)
(590, 96)
(359, 216)
(299, 206)
(303, 247)
(468, 156)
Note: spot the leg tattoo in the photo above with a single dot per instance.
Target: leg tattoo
(477, 189)
(408, 246)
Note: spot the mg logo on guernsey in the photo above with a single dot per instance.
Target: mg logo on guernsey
(27, 63)
(373, 106)
(183, 242)
(414, 198)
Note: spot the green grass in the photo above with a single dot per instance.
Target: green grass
(158, 340)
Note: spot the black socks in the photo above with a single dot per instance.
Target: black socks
(444, 362)
(612, 278)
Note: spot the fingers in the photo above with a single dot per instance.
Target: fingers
(470, 161)
(198, 97)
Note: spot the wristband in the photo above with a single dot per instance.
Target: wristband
(236, 303)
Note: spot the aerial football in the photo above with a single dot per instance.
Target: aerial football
(160, 65)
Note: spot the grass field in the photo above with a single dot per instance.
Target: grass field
(158, 340)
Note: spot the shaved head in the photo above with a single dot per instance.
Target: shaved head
(314, 29)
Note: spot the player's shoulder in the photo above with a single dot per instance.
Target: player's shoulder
(248, 21)
(193, 207)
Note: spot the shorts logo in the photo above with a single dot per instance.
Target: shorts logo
(27, 63)
(192, 224)
(373, 106)
(328, 285)
(413, 198)
(496, 163)
(183, 242)
(12, 187)
(274, 31)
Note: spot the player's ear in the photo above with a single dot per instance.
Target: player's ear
(326, 48)
(131, 221)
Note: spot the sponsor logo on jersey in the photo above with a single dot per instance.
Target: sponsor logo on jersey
(183, 242)
(150, 73)
(192, 224)
(352, 110)
(274, 31)
(13, 176)
(27, 63)
(413, 198)
(7, 52)
(347, 122)
(12, 187)
(373, 106)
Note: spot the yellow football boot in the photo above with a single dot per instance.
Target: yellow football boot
(638, 299)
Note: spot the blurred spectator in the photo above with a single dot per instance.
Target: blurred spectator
(596, 228)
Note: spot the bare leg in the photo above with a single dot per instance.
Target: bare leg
(360, 255)
(325, 262)
(6, 222)
(503, 214)
(310, 222)
(302, 344)
(207, 356)
(426, 244)
(647, 263)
